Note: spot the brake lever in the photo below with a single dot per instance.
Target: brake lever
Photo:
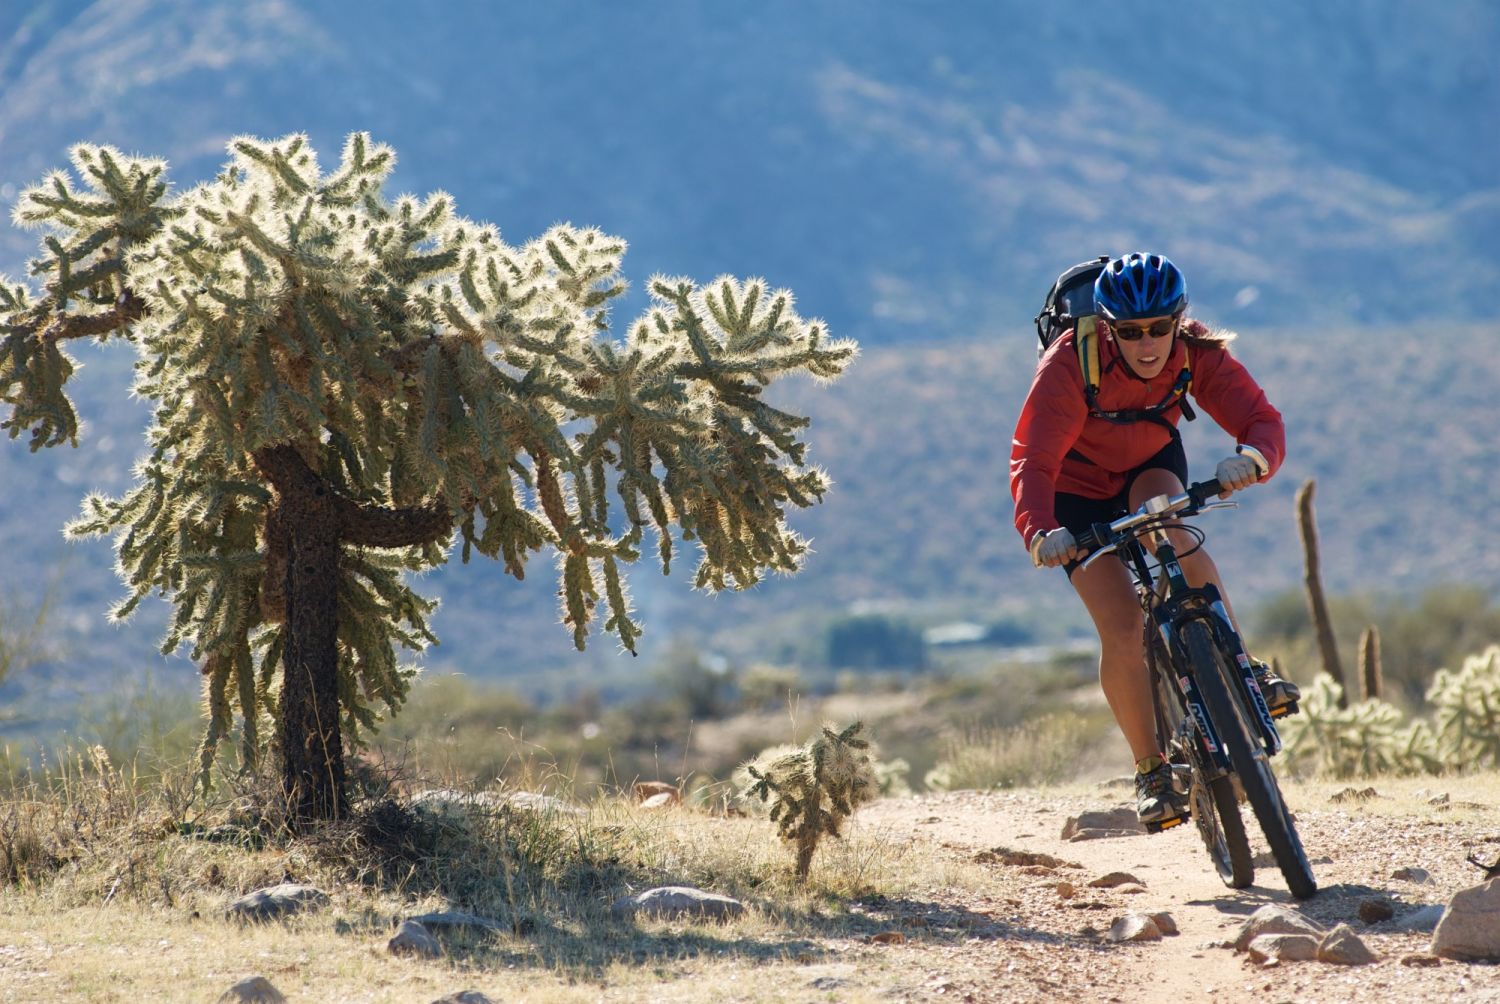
(1106, 549)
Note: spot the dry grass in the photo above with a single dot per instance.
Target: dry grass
(114, 883)
(116, 891)
(1048, 750)
(120, 894)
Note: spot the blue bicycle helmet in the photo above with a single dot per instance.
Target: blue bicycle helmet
(1140, 285)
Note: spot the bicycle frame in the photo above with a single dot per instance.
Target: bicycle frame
(1168, 601)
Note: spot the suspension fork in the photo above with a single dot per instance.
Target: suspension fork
(1163, 601)
(1184, 602)
(1229, 639)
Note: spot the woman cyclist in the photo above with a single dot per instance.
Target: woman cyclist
(1079, 459)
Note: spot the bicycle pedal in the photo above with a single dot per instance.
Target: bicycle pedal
(1285, 710)
(1165, 824)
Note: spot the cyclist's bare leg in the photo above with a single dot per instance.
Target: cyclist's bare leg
(1106, 590)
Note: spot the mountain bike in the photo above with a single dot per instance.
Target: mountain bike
(1212, 721)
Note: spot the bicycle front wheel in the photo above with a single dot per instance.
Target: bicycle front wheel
(1215, 809)
(1214, 673)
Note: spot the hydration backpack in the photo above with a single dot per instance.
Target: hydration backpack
(1070, 304)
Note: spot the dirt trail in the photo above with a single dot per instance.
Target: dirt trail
(1355, 853)
(1172, 867)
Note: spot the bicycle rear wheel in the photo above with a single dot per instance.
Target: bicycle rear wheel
(1215, 808)
(1212, 671)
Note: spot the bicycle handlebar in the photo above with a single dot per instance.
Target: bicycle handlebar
(1193, 500)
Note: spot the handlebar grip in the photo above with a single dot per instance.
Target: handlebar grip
(1205, 490)
(1092, 539)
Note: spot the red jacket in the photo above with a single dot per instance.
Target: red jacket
(1055, 419)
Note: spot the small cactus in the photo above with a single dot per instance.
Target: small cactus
(813, 788)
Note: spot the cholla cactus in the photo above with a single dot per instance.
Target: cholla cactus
(340, 381)
(91, 234)
(1371, 737)
(814, 788)
(1467, 711)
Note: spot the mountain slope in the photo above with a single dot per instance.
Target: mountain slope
(918, 174)
(1396, 426)
(913, 171)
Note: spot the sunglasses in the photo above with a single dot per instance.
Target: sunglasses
(1135, 332)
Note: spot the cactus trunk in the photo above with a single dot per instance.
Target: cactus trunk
(1370, 676)
(308, 730)
(1322, 623)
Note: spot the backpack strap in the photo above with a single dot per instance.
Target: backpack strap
(1086, 344)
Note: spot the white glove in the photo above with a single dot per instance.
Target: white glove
(1235, 473)
(1053, 548)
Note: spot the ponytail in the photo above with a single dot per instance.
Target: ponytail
(1199, 336)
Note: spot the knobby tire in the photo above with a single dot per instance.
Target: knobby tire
(1212, 672)
(1218, 819)
(1241, 863)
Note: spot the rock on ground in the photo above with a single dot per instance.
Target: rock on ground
(447, 803)
(413, 939)
(1274, 919)
(456, 918)
(678, 901)
(645, 790)
(542, 804)
(1470, 928)
(1164, 922)
(1110, 823)
(1421, 876)
(1134, 927)
(275, 901)
(255, 990)
(1420, 921)
(1283, 948)
(1341, 946)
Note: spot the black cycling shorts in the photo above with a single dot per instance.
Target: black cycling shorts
(1078, 513)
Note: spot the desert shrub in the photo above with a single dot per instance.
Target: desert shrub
(144, 724)
(764, 686)
(1439, 628)
(694, 685)
(453, 727)
(1467, 711)
(55, 812)
(891, 777)
(1043, 751)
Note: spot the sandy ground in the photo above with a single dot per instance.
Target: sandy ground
(997, 907)
(1058, 946)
